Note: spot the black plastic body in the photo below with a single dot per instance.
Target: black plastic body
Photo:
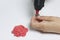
(38, 4)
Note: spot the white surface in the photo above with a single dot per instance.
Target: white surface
(15, 12)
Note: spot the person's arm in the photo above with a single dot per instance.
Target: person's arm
(46, 23)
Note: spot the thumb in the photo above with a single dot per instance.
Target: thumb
(46, 18)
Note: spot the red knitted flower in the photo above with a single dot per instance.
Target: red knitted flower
(19, 31)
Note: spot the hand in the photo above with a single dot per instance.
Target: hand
(46, 23)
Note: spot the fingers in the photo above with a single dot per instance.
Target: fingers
(37, 25)
(44, 18)
(33, 19)
(34, 23)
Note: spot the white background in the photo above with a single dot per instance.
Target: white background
(16, 12)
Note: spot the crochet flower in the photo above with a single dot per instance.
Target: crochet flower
(19, 30)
